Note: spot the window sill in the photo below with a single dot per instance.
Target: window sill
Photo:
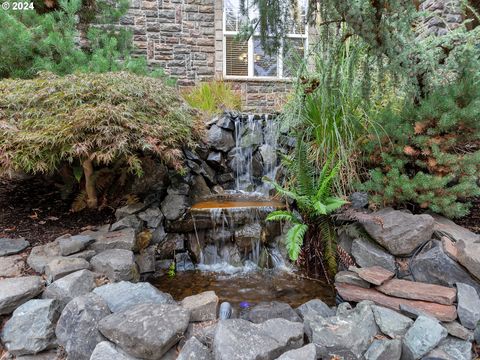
(257, 79)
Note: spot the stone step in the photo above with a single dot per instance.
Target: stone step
(419, 291)
(375, 274)
(357, 294)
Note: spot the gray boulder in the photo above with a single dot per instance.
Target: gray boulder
(85, 254)
(194, 350)
(468, 254)
(390, 322)
(116, 264)
(316, 306)
(16, 291)
(61, 266)
(468, 308)
(70, 286)
(307, 352)
(11, 266)
(122, 239)
(456, 349)
(146, 331)
(347, 335)
(422, 337)
(41, 255)
(73, 244)
(238, 339)
(183, 262)
(455, 329)
(77, 327)
(31, 328)
(105, 350)
(352, 278)
(202, 307)
(153, 217)
(368, 254)
(130, 209)
(220, 139)
(12, 246)
(145, 260)
(384, 350)
(174, 206)
(271, 310)
(400, 232)
(130, 221)
(123, 295)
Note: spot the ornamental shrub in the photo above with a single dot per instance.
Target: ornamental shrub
(88, 122)
(430, 152)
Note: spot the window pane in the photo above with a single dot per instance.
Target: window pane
(293, 55)
(236, 57)
(299, 18)
(263, 64)
(232, 14)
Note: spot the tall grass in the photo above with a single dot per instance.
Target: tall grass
(213, 97)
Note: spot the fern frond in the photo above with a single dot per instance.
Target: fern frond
(283, 215)
(325, 187)
(329, 242)
(295, 240)
(301, 200)
(304, 171)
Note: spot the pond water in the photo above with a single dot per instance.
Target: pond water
(252, 287)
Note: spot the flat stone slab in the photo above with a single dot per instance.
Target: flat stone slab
(455, 329)
(352, 278)
(70, 286)
(121, 239)
(62, 266)
(11, 266)
(375, 274)
(357, 294)
(202, 307)
(12, 246)
(73, 244)
(16, 291)
(419, 291)
(424, 335)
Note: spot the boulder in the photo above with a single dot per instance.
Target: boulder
(70, 286)
(129, 221)
(352, 278)
(11, 266)
(347, 335)
(419, 291)
(422, 337)
(220, 139)
(468, 254)
(226, 123)
(455, 329)
(122, 239)
(468, 307)
(31, 328)
(358, 200)
(476, 334)
(145, 260)
(73, 244)
(271, 310)
(116, 264)
(202, 307)
(456, 349)
(146, 331)
(400, 232)
(194, 350)
(130, 209)
(307, 352)
(86, 254)
(446, 227)
(375, 274)
(16, 291)
(153, 217)
(316, 306)
(204, 332)
(390, 322)
(61, 266)
(41, 255)
(123, 295)
(215, 160)
(12, 246)
(105, 350)
(183, 262)
(368, 254)
(77, 327)
(384, 350)
(238, 339)
(44, 355)
(174, 206)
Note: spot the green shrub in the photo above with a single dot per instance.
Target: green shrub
(430, 153)
(91, 121)
(213, 97)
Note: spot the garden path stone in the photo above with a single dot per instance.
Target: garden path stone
(123, 295)
(422, 337)
(390, 322)
(41, 255)
(419, 291)
(400, 232)
(31, 328)
(368, 254)
(12, 246)
(384, 350)
(238, 339)
(105, 350)
(271, 310)
(146, 331)
(356, 294)
(202, 307)
(70, 286)
(375, 274)
(77, 327)
(11, 266)
(455, 329)
(352, 278)
(347, 335)
(16, 291)
(316, 306)
(73, 244)
(116, 264)
(307, 352)
(122, 239)
(468, 307)
(194, 350)
(59, 267)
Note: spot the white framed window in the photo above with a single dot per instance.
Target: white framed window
(247, 59)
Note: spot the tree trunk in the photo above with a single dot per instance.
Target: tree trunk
(92, 200)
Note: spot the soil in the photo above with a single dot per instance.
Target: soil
(34, 209)
(472, 221)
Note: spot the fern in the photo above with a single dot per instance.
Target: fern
(282, 215)
(295, 240)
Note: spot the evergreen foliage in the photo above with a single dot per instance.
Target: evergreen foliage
(430, 152)
(87, 122)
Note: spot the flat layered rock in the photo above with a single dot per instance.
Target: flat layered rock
(455, 329)
(419, 291)
(352, 278)
(357, 294)
(202, 307)
(121, 239)
(12, 246)
(16, 291)
(375, 274)
(367, 254)
(11, 266)
(62, 266)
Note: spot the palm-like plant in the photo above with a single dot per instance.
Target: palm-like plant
(311, 237)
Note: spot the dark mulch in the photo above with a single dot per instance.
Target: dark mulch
(34, 209)
(472, 221)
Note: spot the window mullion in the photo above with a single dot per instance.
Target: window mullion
(250, 57)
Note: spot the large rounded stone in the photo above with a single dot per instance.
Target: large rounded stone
(424, 335)
(271, 310)
(16, 291)
(70, 286)
(105, 350)
(116, 264)
(174, 206)
(220, 139)
(12, 246)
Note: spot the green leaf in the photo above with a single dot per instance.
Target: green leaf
(320, 208)
(295, 240)
(77, 173)
(334, 203)
(283, 215)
